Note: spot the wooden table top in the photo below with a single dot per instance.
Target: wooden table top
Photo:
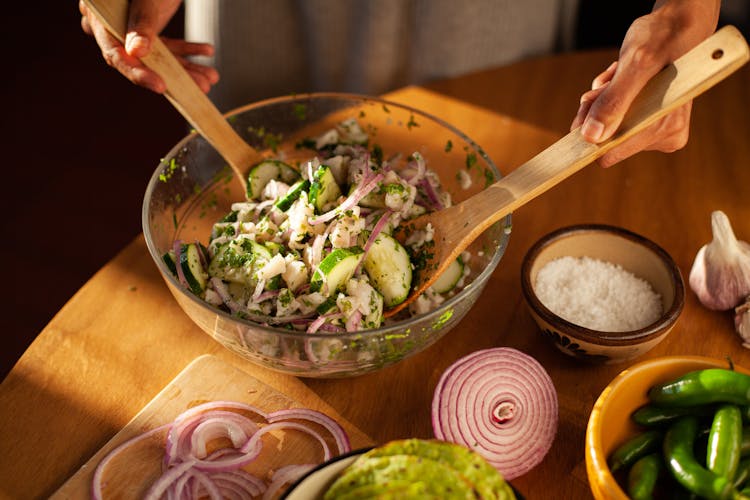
(122, 337)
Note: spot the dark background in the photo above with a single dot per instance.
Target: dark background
(80, 143)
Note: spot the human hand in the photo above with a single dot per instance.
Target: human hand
(146, 19)
(651, 42)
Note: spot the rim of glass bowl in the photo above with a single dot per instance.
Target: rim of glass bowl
(398, 325)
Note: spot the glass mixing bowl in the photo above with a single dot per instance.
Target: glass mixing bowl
(193, 187)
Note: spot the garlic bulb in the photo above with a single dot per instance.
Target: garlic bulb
(742, 322)
(720, 275)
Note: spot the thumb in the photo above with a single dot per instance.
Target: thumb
(608, 109)
(146, 19)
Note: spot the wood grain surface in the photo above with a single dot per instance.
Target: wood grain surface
(207, 378)
(122, 337)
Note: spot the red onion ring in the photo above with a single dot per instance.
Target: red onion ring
(501, 403)
(188, 473)
(177, 249)
(359, 192)
(285, 475)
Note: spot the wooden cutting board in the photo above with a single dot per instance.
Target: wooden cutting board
(205, 379)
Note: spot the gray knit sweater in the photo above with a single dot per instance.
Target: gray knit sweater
(268, 48)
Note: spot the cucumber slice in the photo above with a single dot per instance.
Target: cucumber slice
(323, 189)
(266, 170)
(169, 260)
(447, 281)
(335, 270)
(389, 268)
(236, 261)
(373, 199)
(291, 196)
(190, 262)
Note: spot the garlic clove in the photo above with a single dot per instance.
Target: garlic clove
(742, 322)
(720, 275)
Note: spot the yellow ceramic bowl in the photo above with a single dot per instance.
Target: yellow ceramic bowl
(609, 423)
(634, 253)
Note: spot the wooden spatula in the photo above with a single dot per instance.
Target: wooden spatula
(457, 226)
(182, 91)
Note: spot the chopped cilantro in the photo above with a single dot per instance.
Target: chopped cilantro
(471, 160)
(300, 111)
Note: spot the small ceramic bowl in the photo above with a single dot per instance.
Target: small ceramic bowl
(633, 253)
(610, 425)
(314, 484)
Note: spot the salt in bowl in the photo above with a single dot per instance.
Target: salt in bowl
(636, 256)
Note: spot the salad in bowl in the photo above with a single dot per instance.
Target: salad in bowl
(298, 271)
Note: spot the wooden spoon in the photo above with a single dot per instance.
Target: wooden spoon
(182, 91)
(457, 226)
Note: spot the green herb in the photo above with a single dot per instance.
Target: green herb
(300, 111)
(489, 177)
(411, 123)
(471, 160)
(169, 170)
(442, 320)
(448, 146)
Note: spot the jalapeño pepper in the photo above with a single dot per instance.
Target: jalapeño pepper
(634, 448)
(642, 477)
(711, 385)
(725, 441)
(657, 416)
(678, 453)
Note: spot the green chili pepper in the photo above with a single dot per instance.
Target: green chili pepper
(656, 416)
(725, 441)
(678, 453)
(634, 448)
(642, 477)
(712, 385)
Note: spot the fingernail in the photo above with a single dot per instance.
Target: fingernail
(592, 129)
(136, 44)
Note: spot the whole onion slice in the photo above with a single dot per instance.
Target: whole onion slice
(501, 403)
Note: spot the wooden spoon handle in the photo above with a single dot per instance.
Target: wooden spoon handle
(692, 74)
(182, 91)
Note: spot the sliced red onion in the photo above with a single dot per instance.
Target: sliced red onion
(255, 442)
(418, 162)
(243, 479)
(219, 475)
(96, 484)
(320, 321)
(160, 486)
(353, 322)
(235, 307)
(221, 288)
(177, 249)
(329, 424)
(268, 294)
(221, 424)
(283, 476)
(432, 195)
(501, 403)
(360, 192)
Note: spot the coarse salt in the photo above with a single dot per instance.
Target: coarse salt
(597, 295)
